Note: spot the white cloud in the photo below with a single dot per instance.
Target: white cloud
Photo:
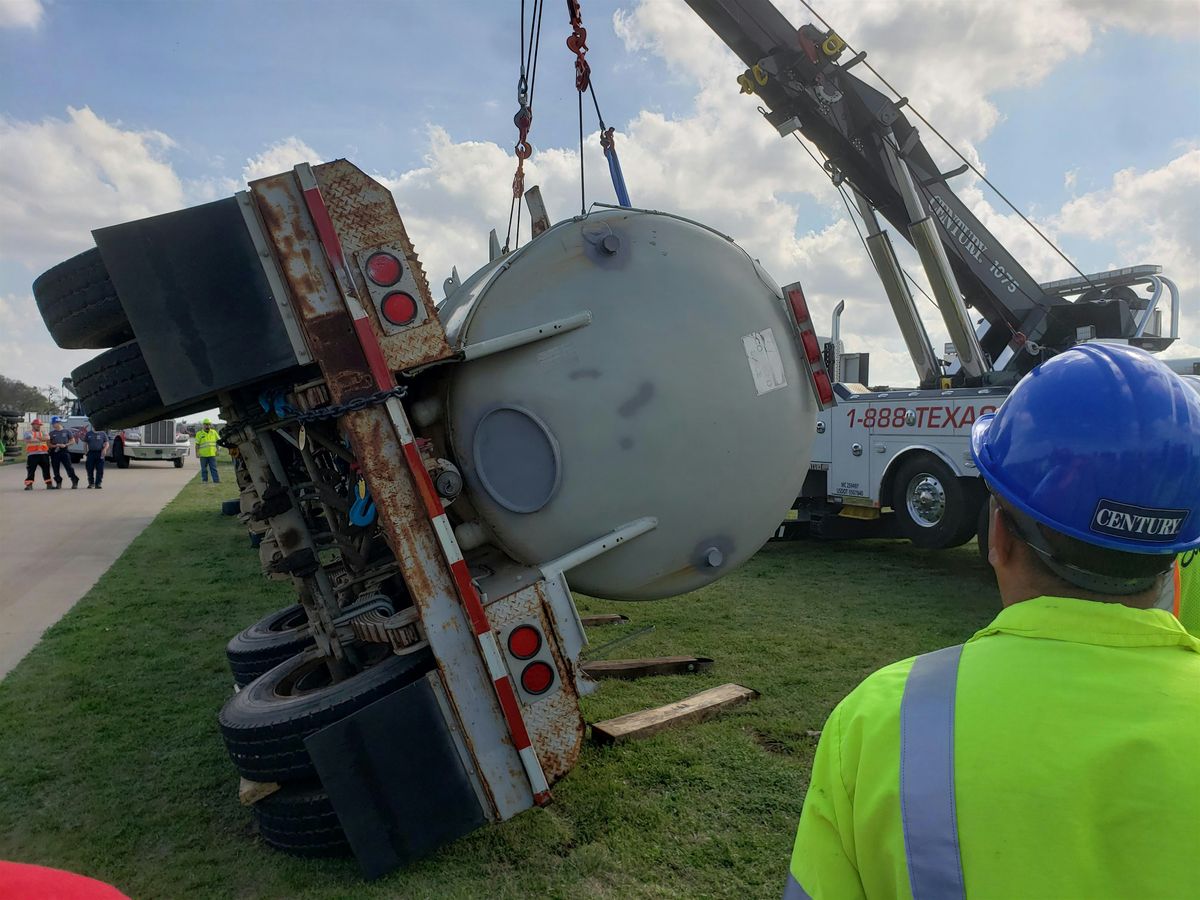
(1174, 18)
(62, 178)
(21, 13)
(26, 351)
(280, 157)
(1149, 217)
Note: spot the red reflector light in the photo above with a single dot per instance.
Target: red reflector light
(524, 641)
(399, 308)
(384, 269)
(811, 348)
(824, 388)
(799, 305)
(537, 677)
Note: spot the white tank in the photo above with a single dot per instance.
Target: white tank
(685, 399)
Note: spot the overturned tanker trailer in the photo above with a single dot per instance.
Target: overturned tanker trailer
(627, 399)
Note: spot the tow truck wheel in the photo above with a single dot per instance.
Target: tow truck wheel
(79, 304)
(273, 639)
(178, 462)
(934, 508)
(265, 723)
(299, 819)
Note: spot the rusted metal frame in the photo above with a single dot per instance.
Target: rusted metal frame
(464, 587)
(367, 220)
(316, 592)
(373, 438)
(337, 522)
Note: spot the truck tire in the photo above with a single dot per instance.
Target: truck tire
(79, 304)
(265, 723)
(116, 389)
(177, 462)
(934, 508)
(299, 819)
(273, 639)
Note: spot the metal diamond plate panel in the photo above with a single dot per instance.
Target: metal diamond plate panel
(364, 213)
(555, 724)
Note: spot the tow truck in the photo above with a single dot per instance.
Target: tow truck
(895, 462)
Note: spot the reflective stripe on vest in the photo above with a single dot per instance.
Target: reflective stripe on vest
(927, 777)
(36, 444)
(793, 891)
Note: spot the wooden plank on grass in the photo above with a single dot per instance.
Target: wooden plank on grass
(695, 708)
(605, 619)
(250, 792)
(640, 668)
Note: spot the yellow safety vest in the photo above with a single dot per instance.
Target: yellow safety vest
(1026, 763)
(206, 442)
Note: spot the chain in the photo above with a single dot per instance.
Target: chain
(317, 414)
(577, 44)
(321, 413)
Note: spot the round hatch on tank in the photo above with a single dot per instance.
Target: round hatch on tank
(517, 459)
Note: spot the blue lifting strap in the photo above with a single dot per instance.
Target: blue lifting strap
(614, 167)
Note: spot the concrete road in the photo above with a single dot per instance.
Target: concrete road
(56, 544)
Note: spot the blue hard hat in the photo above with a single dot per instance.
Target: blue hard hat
(55, 419)
(1100, 443)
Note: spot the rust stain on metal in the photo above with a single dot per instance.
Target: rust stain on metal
(555, 723)
(365, 215)
(314, 292)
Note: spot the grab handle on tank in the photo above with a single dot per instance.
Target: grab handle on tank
(525, 336)
(592, 549)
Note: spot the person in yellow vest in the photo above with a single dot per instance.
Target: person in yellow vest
(37, 454)
(206, 450)
(1042, 758)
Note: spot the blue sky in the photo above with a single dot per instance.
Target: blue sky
(1056, 96)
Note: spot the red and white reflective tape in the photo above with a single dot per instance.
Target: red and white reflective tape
(489, 647)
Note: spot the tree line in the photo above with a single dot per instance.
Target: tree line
(22, 397)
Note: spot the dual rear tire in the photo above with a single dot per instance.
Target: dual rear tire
(935, 508)
(282, 702)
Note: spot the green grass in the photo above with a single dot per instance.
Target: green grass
(111, 763)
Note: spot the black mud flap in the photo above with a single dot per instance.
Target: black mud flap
(396, 779)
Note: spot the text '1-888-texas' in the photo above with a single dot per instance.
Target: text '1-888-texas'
(927, 416)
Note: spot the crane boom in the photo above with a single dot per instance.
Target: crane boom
(869, 144)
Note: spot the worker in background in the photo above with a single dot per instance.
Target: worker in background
(206, 450)
(1052, 755)
(60, 457)
(96, 444)
(37, 453)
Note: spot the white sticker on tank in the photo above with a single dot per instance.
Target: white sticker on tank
(766, 365)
